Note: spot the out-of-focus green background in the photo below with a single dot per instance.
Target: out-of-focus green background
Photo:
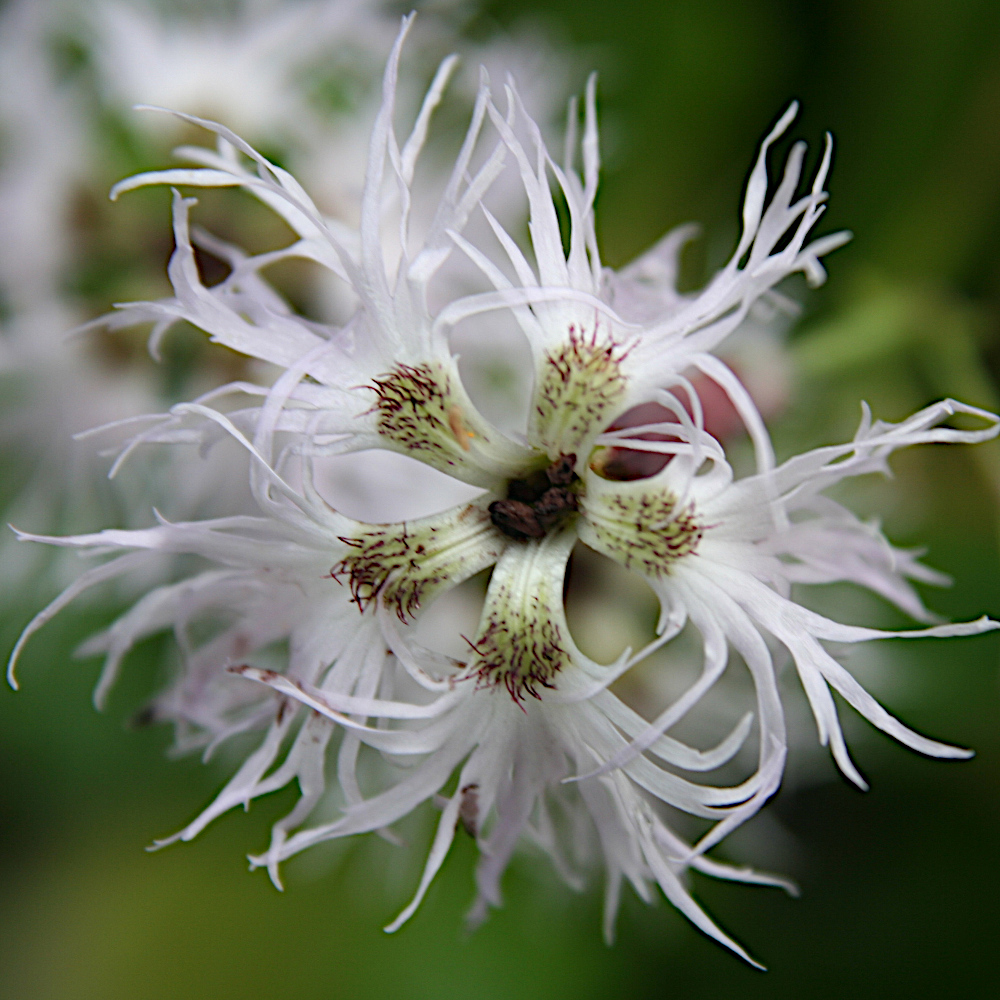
(899, 885)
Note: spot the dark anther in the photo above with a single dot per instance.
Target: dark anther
(560, 472)
(516, 519)
(552, 504)
(528, 490)
(537, 503)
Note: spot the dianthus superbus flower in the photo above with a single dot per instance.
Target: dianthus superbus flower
(520, 737)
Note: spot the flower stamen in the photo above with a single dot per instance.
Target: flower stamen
(537, 504)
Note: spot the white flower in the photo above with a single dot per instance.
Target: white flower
(542, 748)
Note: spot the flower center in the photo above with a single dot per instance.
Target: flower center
(535, 505)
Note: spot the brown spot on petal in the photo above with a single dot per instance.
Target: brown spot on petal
(468, 810)
(458, 428)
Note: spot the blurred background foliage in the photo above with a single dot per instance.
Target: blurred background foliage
(898, 885)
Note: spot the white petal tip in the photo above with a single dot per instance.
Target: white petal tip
(12, 667)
